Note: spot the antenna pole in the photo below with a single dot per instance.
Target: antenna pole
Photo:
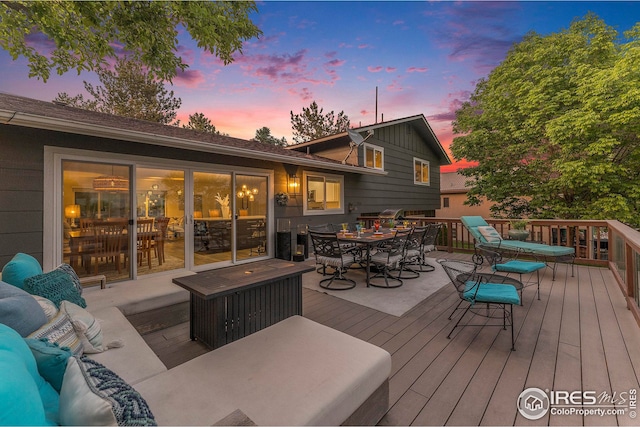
(376, 104)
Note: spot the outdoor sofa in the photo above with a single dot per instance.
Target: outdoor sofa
(296, 372)
(483, 233)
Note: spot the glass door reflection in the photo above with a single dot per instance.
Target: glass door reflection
(212, 221)
(251, 206)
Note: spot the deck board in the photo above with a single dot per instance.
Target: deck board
(578, 336)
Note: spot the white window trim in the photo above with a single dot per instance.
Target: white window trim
(413, 169)
(310, 212)
(374, 148)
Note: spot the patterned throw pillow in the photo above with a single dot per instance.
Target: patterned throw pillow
(55, 286)
(60, 330)
(88, 328)
(72, 274)
(490, 234)
(94, 395)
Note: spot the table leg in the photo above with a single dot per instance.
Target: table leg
(367, 268)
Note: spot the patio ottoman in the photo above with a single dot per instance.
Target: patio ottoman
(296, 372)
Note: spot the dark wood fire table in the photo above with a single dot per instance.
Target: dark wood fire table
(229, 303)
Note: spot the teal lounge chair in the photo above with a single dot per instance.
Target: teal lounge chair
(539, 251)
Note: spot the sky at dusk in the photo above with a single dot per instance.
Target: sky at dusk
(423, 58)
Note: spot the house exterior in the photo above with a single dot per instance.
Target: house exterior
(408, 156)
(66, 172)
(453, 194)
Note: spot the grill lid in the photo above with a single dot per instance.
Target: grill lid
(391, 214)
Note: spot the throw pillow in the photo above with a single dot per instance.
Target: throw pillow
(490, 234)
(19, 268)
(51, 360)
(25, 397)
(94, 395)
(72, 274)
(56, 286)
(19, 310)
(50, 309)
(88, 328)
(60, 330)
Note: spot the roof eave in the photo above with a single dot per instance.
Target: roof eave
(70, 126)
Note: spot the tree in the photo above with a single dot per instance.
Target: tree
(264, 135)
(130, 92)
(555, 128)
(86, 33)
(313, 124)
(198, 121)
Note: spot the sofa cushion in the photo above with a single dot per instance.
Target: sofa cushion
(51, 360)
(94, 395)
(19, 268)
(135, 361)
(25, 397)
(60, 330)
(323, 373)
(19, 310)
(56, 286)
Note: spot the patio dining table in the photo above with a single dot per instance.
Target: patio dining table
(368, 239)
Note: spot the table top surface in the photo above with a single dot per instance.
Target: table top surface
(212, 283)
(367, 236)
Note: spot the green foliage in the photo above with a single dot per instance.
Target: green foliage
(313, 124)
(199, 122)
(86, 33)
(555, 127)
(264, 135)
(128, 91)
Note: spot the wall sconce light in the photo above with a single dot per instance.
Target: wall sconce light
(293, 185)
(73, 212)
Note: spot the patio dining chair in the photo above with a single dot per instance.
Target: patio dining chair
(412, 253)
(388, 257)
(330, 255)
(481, 296)
(501, 264)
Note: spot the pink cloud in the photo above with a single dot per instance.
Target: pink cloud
(390, 69)
(189, 78)
(364, 46)
(398, 22)
(372, 69)
(417, 70)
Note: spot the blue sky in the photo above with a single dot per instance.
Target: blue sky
(424, 58)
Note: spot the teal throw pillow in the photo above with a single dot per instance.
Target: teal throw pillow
(19, 268)
(51, 360)
(25, 397)
(56, 286)
(19, 310)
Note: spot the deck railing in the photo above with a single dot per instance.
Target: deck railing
(608, 244)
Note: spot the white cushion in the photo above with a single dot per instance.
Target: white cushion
(312, 375)
(490, 234)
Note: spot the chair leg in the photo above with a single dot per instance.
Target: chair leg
(513, 341)
(459, 320)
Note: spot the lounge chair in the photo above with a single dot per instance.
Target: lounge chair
(489, 237)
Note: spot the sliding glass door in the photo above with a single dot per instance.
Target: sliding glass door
(129, 220)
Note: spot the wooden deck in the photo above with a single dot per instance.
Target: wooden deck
(578, 337)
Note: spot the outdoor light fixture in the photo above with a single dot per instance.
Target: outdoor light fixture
(293, 185)
(245, 195)
(73, 212)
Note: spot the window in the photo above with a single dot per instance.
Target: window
(373, 157)
(421, 172)
(324, 194)
(445, 202)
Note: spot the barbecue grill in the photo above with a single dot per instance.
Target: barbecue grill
(390, 214)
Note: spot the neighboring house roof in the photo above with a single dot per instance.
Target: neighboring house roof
(419, 122)
(453, 183)
(27, 112)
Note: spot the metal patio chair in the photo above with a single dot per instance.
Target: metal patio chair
(389, 257)
(329, 254)
(481, 295)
